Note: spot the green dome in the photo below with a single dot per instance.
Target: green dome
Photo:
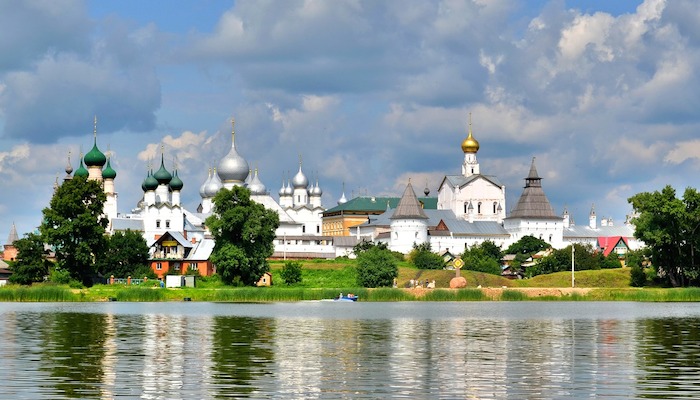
(81, 171)
(162, 175)
(108, 172)
(151, 183)
(94, 157)
(176, 183)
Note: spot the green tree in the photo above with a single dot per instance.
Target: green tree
(244, 232)
(483, 257)
(74, 225)
(376, 267)
(31, 265)
(527, 245)
(291, 272)
(126, 253)
(671, 228)
(364, 245)
(422, 257)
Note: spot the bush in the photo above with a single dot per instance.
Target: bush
(291, 272)
(60, 276)
(428, 260)
(638, 276)
(376, 267)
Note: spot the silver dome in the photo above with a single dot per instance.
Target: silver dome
(203, 188)
(214, 185)
(233, 168)
(288, 190)
(283, 189)
(316, 190)
(256, 186)
(300, 181)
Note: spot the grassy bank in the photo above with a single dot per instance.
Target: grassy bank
(45, 293)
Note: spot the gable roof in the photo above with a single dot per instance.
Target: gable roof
(461, 181)
(533, 203)
(176, 236)
(609, 243)
(409, 207)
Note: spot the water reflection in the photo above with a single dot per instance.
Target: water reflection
(160, 351)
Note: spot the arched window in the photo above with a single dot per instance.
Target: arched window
(495, 205)
(478, 208)
(465, 207)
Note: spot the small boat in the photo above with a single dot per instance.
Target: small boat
(347, 297)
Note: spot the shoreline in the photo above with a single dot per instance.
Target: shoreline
(52, 293)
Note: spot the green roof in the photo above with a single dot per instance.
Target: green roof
(376, 205)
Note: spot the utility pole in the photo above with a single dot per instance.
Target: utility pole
(572, 265)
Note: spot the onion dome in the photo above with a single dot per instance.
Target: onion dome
(470, 145)
(81, 171)
(176, 183)
(316, 190)
(249, 178)
(69, 168)
(342, 199)
(233, 168)
(203, 188)
(94, 157)
(151, 183)
(214, 185)
(300, 181)
(162, 175)
(256, 186)
(288, 190)
(109, 172)
(283, 189)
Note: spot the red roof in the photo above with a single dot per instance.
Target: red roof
(608, 243)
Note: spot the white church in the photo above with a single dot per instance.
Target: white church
(471, 208)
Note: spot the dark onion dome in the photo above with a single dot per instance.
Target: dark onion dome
(151, 183)
(109, 172)
(81, 171)
(233, 168)
(162, 175)
(94, 157)
(176, 182)
(69, 168)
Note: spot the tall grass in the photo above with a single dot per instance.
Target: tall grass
(454, 295)
(513, 295)
(45, 293)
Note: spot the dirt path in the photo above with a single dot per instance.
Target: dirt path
(495, 293)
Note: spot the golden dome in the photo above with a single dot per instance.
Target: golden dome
(470, 145)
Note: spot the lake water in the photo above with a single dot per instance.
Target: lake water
(332, 350)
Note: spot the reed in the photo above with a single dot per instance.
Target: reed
(454, 295)
(513, 295)
(387, 294)
(39, 293)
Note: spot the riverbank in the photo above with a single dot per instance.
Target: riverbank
(54, 293)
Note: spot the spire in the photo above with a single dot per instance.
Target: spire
(409, 207)
(533, 203)
(233, 132)
(342, 199)
(13, 237)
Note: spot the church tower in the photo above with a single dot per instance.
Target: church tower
(470, 147)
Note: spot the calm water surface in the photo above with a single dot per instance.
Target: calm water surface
(327, 350)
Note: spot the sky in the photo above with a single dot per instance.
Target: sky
(605, 95)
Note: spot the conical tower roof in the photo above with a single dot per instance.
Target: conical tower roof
(409, 207)
(13, 237)
(533, 203)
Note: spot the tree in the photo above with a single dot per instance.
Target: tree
(527, 245)
(364, 245)
(422, 257)
(74, 225)
(31, 266)
(126, 253)
(376, 267)
(244, 232)
(483, 257)
(291, 272)
(671, 228)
